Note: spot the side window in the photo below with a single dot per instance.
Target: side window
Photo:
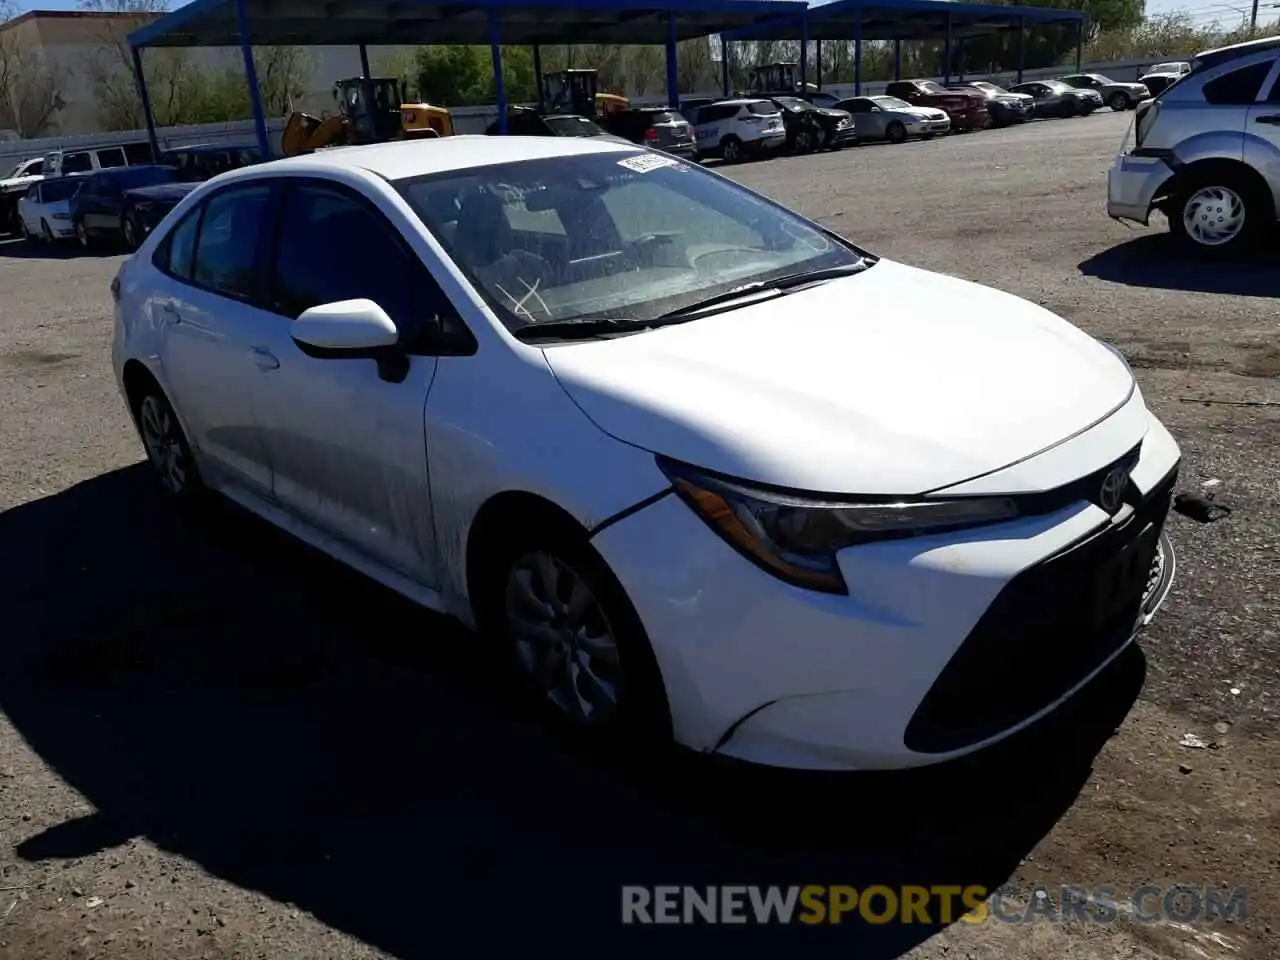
(177, 252)
(333, 246)
(1274, 95)
(111, 157)
(230, 239)
(1239, 87)
(137, 153)
(76, 163)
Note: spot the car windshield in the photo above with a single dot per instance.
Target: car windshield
(134, 177)
(1168, 68)
(795, 104)
(1057, 86)
(762, 108)
(891, 103)
(660, 116)
(52, 191)
(18, 172)
(573, 127)
(930, 87)
(619, 235)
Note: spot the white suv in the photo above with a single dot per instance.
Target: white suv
(733, 129)
(1206, 151)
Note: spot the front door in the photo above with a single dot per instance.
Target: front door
(348, 448)
(206, 311)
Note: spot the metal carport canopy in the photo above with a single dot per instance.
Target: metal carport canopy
(214, 23)
(902, 20)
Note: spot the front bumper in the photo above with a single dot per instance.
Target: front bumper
(767, 143)
(920, 127)
(840, 137)
(1132, 186)
(773, 674)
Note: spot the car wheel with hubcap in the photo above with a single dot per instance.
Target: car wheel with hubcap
(575, 639)
(804, 141)
(82, 234)
(46, 232)
(1119, 101)
(895, 132)
(131, 232)
(1218, 213)
(731, 149)
(167, 447)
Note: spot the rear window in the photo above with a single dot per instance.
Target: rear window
(54, 190)
(111, 157)
(1238, 87)
(661, 116)
(573, 127)
(762, 109)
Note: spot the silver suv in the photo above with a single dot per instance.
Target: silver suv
(1206, 151)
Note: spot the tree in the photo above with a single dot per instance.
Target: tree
(30, 87)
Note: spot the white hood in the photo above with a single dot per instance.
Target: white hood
(924, 113)
(894, 381)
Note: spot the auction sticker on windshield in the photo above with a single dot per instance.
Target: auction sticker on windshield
(644, 162)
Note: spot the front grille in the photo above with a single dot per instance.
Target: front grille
(1040, 638)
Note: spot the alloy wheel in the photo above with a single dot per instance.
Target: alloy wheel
(82, 234)
(1213, 216)
(732, 152)
(162, 438)
(562, 638)
(130, 233)
(45, 231)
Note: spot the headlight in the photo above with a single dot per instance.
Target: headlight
(62, 216)
(796, 536)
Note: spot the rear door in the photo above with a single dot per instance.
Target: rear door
(1264, 124)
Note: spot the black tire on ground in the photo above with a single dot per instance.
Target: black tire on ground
(895, 132)
(731, 149)
(1119, 101)
(130, 232)
(165, 442)
(639, 717)
(1208, 192)
(46, 232)
(82, 235)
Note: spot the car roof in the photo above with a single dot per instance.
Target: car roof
(741, 101)
(401, 159)
(1222, 54)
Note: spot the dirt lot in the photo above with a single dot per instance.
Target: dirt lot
(214, 743)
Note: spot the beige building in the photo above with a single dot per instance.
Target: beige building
(61, 67)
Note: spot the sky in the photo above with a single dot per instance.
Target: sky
(1202, 12)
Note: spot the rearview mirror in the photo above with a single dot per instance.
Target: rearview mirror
(352, 329)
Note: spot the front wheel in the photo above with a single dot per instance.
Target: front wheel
(803, 142)
(895, 132)
(575, 639)
(166, 446)
(1219, 214)
(82, 234)
(1119, 101)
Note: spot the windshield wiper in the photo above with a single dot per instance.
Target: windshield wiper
(581, 328)
(787, 281)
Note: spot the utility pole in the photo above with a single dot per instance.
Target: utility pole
(1253, 19)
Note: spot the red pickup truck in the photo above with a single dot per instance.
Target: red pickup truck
(968, 111)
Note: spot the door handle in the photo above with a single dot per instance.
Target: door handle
(264, 358)
(169, 311)
(1272, 118)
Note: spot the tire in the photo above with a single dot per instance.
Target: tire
(27, 235)
(82, 235)
(825, 137)
(531, 586)
(131, 232)
(1219, 212)
(47, 232)
(895, 132)
(804, 141)
(1119, 101)
(166, 445)
(731, 149)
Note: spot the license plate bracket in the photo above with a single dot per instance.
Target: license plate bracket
(1123, 579)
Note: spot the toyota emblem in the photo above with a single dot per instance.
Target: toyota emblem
(1111, 494)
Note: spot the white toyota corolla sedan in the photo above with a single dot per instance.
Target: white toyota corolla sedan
(709, 470)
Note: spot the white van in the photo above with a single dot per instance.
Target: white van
(61, 163)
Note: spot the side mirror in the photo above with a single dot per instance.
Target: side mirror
(351, 330)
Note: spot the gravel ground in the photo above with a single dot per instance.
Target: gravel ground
(214, 743)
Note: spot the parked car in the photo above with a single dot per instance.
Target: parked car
(1204, 152)
(205, 161)
(1163, 75)
(689, 108)
(13, 186)
(1004, 106)
(810, 127)
(44, 210)
(638, 445)
(1053, 98)
(61, 163)
(968, 110)
(736, 129)
(524, 122)
(658, 127)
(1116, 94)
(101, 209)
(888, 118)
